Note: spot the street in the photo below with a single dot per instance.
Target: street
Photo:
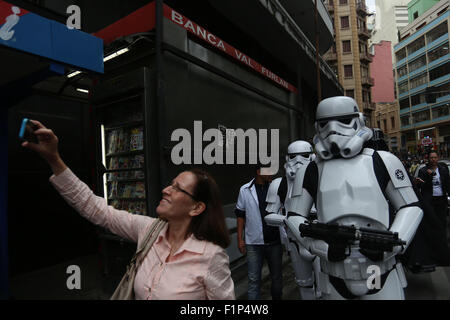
(423, 286)
(50, 283)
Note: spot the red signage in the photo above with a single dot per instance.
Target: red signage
(143, 20)
(6, 11)
(427, 141)
(205, 35)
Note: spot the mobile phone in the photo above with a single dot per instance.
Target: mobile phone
(26, 132)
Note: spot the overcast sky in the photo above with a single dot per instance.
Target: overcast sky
(371, 5)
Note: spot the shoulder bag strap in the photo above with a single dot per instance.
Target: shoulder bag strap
(147, 243)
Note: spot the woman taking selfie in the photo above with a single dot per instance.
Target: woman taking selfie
(187, 259)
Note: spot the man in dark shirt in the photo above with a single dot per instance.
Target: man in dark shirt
(261, 241)
(434, 184)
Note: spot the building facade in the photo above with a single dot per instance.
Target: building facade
(422, 63)
(387, 119)
(350, 57)
(390, 17)
(416, 8)
(381, 71)
(386, 106)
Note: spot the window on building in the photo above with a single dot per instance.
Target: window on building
(417, 99)
(440, 71)
(364, 96)
(438, 52)
(442, 11)
(335, 68)
(418, 63)
(361, 24)
(437, 32)
(418, 81)
(415, 15)
(404, 120)
(345, 22)
(416, 45)
(421, 26)
(410, 136)
(401, 54)
(403, 71)
(402, 88)
(346, 46)
(404, 104)
(444, 131)
(348, 71)
(385, 125)
(406, 35)
(443, 90)
(392, 123)
(364, 71)
(421, 116)
(363, 48)
(343, 2)
(350, 93)
(441, 111)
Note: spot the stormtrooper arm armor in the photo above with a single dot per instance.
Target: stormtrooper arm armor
(409, 214)
(273, 200)
(275, 208)
(301, 207)
(404, 200)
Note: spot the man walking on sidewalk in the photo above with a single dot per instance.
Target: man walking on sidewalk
(261, 241)
(434, 184)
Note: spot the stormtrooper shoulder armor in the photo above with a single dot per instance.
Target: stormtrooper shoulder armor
(272, 194)
(397, 172)
(399, 189)
(297, 189)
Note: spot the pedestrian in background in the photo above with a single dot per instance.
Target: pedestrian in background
(434, 185)
(413, 167)
(260, 242)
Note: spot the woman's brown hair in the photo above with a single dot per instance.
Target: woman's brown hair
(210, 225)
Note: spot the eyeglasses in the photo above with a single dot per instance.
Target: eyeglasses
(177, 188)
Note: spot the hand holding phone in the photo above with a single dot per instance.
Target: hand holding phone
(26, 132)
(45, 143)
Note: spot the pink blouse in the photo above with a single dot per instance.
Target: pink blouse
(198, 270)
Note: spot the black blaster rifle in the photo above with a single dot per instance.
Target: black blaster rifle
(348, 235)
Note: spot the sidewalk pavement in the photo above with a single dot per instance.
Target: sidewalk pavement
(50, 283)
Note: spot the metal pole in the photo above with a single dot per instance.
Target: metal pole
(160, 90)
(316, 18)
(4, 269)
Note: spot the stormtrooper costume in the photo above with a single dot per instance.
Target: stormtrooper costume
(354, 186)
(279, 199)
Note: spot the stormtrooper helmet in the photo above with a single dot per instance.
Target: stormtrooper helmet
(298, 153)
(340, 128)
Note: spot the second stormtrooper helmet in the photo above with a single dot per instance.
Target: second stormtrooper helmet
(298, 153)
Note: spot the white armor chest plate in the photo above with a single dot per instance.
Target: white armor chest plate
(348, 188)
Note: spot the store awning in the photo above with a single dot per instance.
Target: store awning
(34, 41)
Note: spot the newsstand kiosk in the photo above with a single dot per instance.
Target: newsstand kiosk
(33, 48)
